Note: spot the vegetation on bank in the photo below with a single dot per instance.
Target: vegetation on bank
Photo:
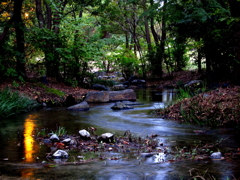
(220, 107)
(69, 40)
(12, 103)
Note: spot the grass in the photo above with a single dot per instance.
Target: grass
(52, 90)
(216, 108)
(12, 103)
(60, 131)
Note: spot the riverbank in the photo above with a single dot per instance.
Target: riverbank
(219, 106)
(52, 91)
(55, 91)
(216, 108)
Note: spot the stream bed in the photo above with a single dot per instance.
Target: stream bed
(23, 157)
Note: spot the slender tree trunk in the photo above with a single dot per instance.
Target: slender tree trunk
(148, 39)
(127, 40)
(235, 12)
(199, 61)
(39, 13)
(19, 29)
(155, 35)
(76, 56)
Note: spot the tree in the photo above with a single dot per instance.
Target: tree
(16, 20)
(235, 14)
(19, 29)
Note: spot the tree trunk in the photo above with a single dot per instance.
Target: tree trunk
(19, 26)
(39, 13)
(199, 61)
(148, 39)
(155, 35)
(235, 13)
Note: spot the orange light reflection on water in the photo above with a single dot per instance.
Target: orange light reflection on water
(30, 147)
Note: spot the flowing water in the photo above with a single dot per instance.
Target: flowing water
(22, 156)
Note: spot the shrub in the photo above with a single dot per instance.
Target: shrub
(105, 82)
(12, 103)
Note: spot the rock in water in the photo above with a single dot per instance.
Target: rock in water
(102, 96)
(83, 106)
(120, 106)
(108, 96)
(106, 137)
(216, 155)
(54, 138)
(60, 154)
(84, 134)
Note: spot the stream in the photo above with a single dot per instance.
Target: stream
(23, 157)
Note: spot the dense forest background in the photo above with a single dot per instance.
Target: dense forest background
(70, 39)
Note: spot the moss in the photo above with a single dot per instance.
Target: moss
(52, 90)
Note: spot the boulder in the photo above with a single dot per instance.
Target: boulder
(118, 87)
(124, 95)
(69, 141)
(54, 138)
(70, 100)
(83, 106)
(106, 137)
(133, 80)
(100, 87)
(131, 103)
(106, 96)
(216, 155)
(194, 83)
(138, 82)
(84, 134)
(60, 154)
(120, 106)
(102, 96)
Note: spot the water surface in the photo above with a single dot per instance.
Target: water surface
(21, 155)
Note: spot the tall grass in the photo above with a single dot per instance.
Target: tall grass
(12, 103)
(189, 92)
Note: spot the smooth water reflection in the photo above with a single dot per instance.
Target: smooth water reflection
(30, 147)
(25, 154)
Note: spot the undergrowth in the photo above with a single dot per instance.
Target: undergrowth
(52, 90)
(220, 107)
(12, 103)
(105, 82)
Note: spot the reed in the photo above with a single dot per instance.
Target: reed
(12, 103)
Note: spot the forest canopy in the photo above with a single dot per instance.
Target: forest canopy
(70, 39)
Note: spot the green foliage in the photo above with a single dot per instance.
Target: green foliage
(184, 93)
(52, 90)
(42, 133)
(105, 82)
(15, 84)
(11, 103)
(60, 131)
(190, 91)
(127, 62)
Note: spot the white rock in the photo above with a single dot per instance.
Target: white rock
(54, 137)
(216, 155)
(84, 133)
(60, 153)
